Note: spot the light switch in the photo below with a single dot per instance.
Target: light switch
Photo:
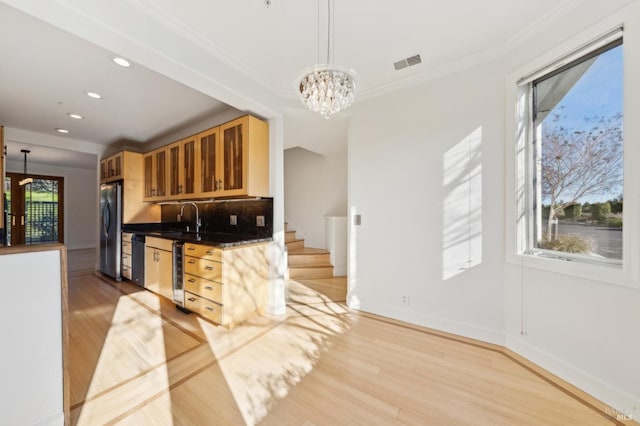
(233, 219)
(259, 220)
(357, 220)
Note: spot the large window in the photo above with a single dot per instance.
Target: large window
(574, 156)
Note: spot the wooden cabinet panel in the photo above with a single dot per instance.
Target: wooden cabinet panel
(202, 251)
(208, 159)
(182, 168)
(156, 167)
(127, 166)
(244, 157)
(208, 309)
(229, 160)
(204, 268)
(207, 289)
(238, 291)
(158, 266)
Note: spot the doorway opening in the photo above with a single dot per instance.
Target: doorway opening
(35, 211)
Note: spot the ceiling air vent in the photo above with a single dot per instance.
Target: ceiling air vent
(408, 62)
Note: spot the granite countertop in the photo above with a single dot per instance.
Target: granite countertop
(215, 239)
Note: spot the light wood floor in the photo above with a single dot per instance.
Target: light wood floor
(136, 360)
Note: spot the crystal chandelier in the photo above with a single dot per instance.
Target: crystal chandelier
(325, 88)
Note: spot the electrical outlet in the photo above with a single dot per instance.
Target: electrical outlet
(233, 219)
(259, 220)
(404, 299)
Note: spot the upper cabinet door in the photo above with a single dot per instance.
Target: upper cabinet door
(244, 157)
(189, 166)
(149, 181)
(176, 175)
(160, 165)
(208, 148)
(181, 171)
(234, 155)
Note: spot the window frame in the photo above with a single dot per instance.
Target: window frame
(520, 168)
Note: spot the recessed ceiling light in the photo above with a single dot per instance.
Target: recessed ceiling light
(94, 95)
(121, 61)
(76, 116)
(62, 130)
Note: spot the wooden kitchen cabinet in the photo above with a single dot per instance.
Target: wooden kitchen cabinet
(158, 266)
(230, 160)
(112, 167)
(156, 165)
(209, 146)
(235, 159)
(182, 168)
(226, 286)
(244, 157)
(127, 166)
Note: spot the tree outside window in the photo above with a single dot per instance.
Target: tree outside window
(578, 156)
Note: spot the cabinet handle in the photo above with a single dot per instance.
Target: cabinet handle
(209, 268)
(209, 252)
(191, 299)
(191, 248)
(208, 287)
(191, 262)
(209, 308)
(191, 280)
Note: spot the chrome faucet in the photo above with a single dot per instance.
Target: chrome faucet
(198, 223)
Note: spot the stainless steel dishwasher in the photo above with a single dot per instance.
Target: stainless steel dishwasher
(137, 259)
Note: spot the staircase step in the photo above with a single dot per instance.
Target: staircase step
(310, 272)
(295, 244)
(286, 227)
(289, 236)
(308, 256)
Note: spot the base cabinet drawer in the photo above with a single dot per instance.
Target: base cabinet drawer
(200, 287)
(204, 252)
(208, 309)
(203, 268)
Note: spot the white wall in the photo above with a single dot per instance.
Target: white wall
(31, 357)
(582, 325)
(427, 172)
(80, 201)
(315, 186)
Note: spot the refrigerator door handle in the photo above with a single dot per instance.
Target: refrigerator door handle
(106, 218)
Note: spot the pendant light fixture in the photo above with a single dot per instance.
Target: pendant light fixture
(26, 180)
(325, 88)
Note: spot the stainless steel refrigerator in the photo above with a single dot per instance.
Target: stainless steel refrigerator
(110, 229)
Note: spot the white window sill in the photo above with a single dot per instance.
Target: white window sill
(614, 274)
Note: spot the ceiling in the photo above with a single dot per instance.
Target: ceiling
(46, 71)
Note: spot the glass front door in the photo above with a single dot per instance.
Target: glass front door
(35, 209)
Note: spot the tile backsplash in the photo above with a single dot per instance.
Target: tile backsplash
(215, 216)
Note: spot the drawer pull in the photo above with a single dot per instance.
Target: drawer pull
(191, 248)
(191, 299)
(209, 252)
(209, 268)
(209, 308)
(208, 287)
(191, 280)
(191, 262)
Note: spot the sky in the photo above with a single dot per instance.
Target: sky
(598, 93)
(595, 94)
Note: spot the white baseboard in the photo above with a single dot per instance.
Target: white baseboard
(447, 325)
(615, 398)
